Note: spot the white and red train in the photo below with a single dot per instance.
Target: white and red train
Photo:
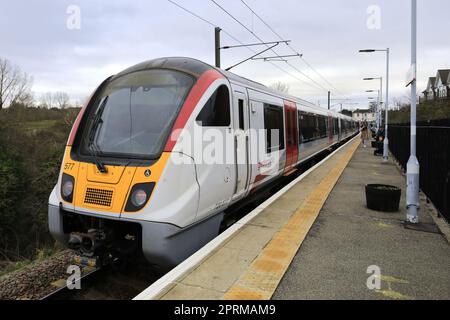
(134, 173)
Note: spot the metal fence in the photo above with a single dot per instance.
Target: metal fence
(433, 152)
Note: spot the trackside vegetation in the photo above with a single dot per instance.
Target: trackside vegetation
(32, 143)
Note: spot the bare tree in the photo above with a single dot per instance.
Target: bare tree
(47, 100)
(373, 106)
(61, 99)
(398, 103)
(57, 99)
(27, 99)
(15, 85)
(280, 87)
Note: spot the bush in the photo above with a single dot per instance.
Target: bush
(32, 142)
(428, 110)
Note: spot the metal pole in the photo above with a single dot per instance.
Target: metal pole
(413, 167)
(217, 46)
(329, 100)
(381, 103)
(386, 106)
(378, 111)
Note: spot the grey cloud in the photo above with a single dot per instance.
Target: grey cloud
(117, 34)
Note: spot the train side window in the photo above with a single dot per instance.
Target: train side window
(273, 125)
(308, 127)
(317, 127)
(336, 126)
(323, 126)
(216, 111)
(241, 114)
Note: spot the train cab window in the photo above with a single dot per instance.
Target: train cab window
(132, 115)
(216, 112)
(274, 128)
(241, 114)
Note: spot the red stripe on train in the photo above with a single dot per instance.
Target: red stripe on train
(76, 124)
(203, 83)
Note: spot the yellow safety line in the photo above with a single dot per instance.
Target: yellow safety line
(261, 279)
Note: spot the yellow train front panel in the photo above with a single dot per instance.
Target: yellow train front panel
(108, 192)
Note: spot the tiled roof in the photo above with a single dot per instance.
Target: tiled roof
(444, 76)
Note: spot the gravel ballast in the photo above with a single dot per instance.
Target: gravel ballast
(35, 281)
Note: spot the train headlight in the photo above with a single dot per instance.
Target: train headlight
(67, 187)
(139, 195)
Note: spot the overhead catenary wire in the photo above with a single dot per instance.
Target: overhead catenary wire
(240, 42)
(291, 48)
(262, 41)
(203, 19)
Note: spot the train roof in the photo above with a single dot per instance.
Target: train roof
(196, 68)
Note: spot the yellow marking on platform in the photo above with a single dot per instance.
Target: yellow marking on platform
(391, 294)
(390, 279)
(384, 225)
(261, 279)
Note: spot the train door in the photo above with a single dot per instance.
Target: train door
(291, 129)
(241, 119)
(213, 127)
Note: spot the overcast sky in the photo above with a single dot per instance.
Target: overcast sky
(114, 35)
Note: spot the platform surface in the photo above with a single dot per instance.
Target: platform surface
(347, 238)
(318, 240)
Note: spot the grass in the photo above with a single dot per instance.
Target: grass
(41, 255)
(39, 125)
(13, 266)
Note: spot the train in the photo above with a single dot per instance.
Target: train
(163, 148)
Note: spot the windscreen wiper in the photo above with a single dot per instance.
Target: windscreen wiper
(94, 150)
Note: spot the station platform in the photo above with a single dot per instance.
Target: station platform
(316, 239)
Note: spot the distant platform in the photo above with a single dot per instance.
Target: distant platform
(316, 239)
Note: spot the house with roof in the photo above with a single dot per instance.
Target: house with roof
(430, 91)
(442, 84)
(364, 115)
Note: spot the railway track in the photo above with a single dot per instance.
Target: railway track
(108, 283)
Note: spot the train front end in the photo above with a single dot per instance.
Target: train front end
(119, 192)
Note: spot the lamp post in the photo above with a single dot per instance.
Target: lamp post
(380, 101)
(413, 166)
(386, 141)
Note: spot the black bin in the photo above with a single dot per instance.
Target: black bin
(383, 198)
